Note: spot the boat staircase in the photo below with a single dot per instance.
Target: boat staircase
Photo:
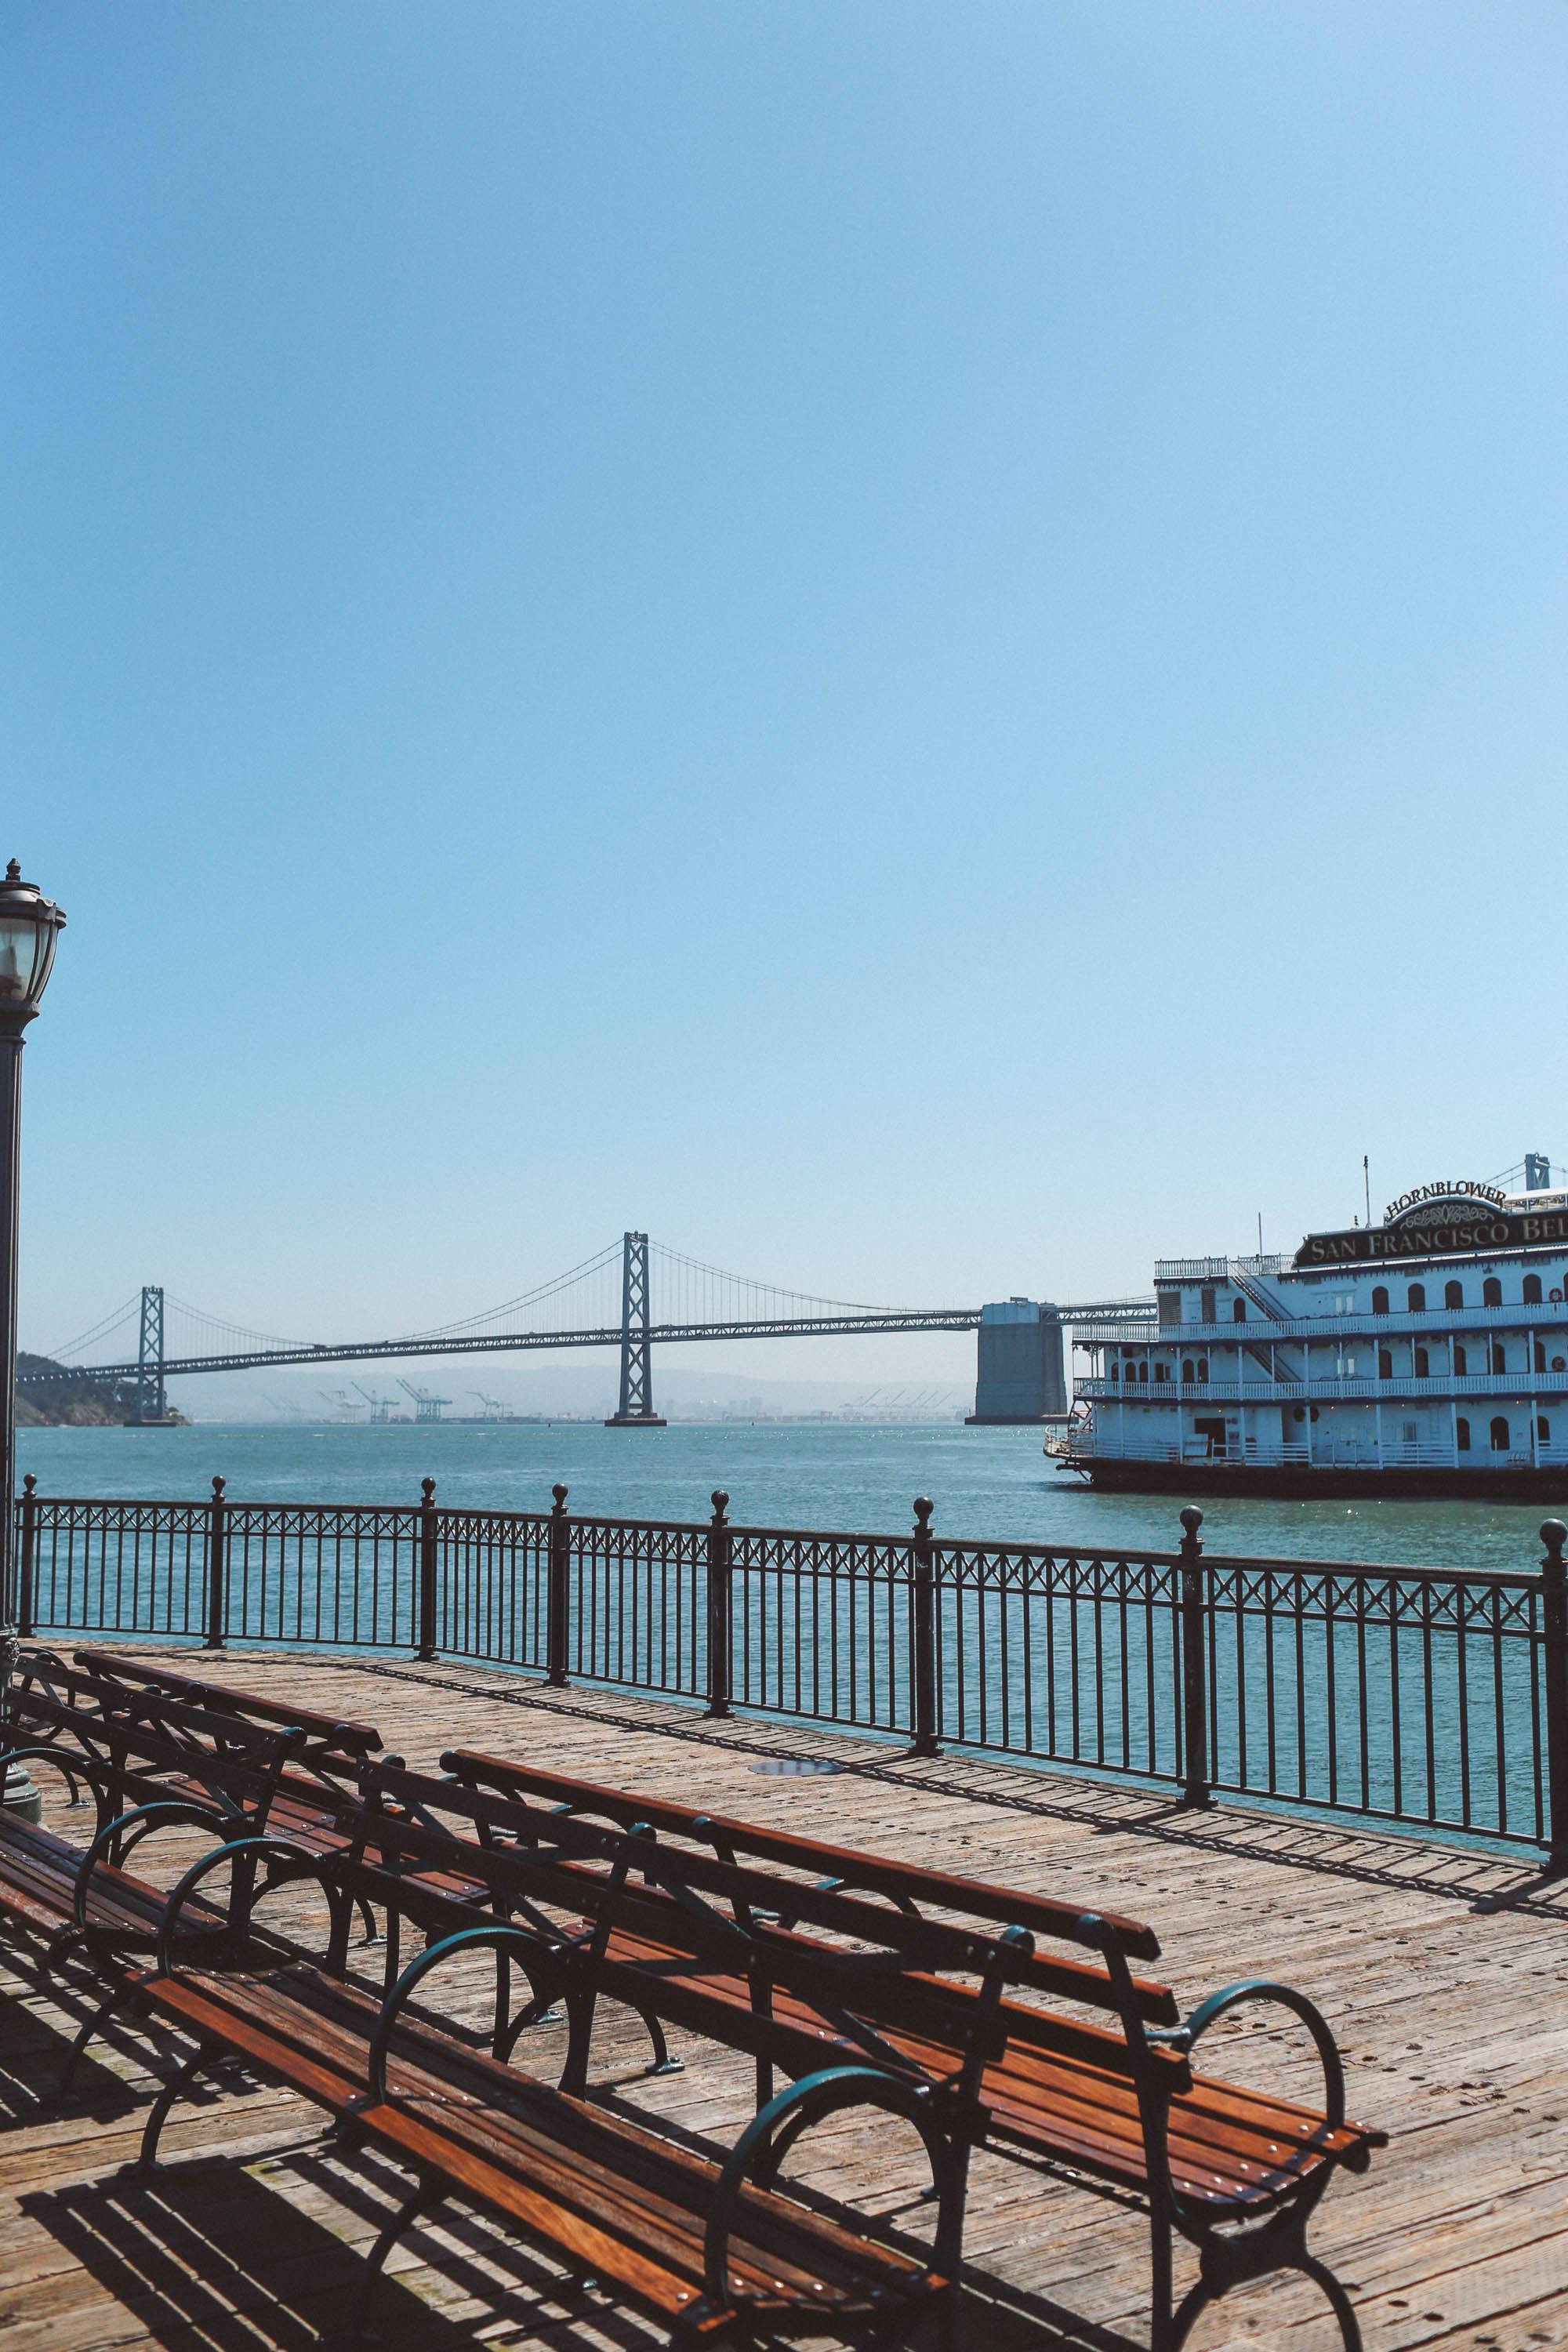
(1252, 1290)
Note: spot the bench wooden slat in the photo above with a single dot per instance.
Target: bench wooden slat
(592, 2188)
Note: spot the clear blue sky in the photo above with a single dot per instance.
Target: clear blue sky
(921, 647)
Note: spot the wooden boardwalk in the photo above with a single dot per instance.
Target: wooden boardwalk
(1442, 1973)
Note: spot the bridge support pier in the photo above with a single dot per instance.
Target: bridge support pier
(635, 1408)
(1021, 1371)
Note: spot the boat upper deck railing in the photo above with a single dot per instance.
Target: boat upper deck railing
(1225, 1332)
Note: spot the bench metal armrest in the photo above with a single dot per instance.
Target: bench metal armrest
(67, 1760)
(1262, 1989)
(149, 1817)
(301, 1862)
(466, 1940)
(774, 2129)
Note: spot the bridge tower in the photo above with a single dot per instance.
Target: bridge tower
(151, 1401)
(635, 1408)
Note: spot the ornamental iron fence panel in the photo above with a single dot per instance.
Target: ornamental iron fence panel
(1421, 1698)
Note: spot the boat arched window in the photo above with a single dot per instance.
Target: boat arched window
(1238, 1312)
(1499, 1433)
(1384, 1364)
(1462, 1434)
(1187, 1368)
(1421, 1362)
(1542, 1429)
(1540, 1354)
(1203, 1368)
(1499, 1360)
(1142, 1371)
(1380, 1300)
(1462, 1361)
(1530, 1290)
(1453, 1294)
(1491, 1291)
(1415, 1300)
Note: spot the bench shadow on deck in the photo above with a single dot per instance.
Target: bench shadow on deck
(1441, 1972)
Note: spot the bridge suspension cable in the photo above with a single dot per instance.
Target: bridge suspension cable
(691, 1291)
(126, 1313)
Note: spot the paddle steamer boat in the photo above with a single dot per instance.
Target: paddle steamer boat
(1426, 1355)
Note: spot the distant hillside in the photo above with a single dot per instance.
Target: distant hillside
(75, 1403)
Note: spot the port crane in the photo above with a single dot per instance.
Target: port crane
(342, 1404)
(426, 1407)
(495, 1408)
(380, 1406)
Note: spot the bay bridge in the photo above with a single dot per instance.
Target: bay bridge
(606, 1301)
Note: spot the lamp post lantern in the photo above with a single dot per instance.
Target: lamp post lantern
(29, 926)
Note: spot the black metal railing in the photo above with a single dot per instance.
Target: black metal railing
(1428, 1697)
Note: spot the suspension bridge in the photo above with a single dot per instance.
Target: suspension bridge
(606, 1301)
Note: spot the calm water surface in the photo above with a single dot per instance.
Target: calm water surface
(984, 1483)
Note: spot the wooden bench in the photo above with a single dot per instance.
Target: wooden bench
(710, 2249)
(79, 1897)
(1236, 2171)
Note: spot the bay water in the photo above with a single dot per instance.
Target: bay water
(984, 1483)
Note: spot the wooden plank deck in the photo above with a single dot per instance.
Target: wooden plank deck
(1442, 1973)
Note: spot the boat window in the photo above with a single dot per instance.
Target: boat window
(1491, 1291)
(1205, 1303)
(1541, 1355)
(1499, 1433)
(1499, 1361)
(1384, 1364)
(1422, 1360)
(1203, 1368)
(1238, 1312)
(1142, 1371)
(1543, 1429)
(1462, 1434)
(1462, 1361)
(1162, 1371)
(1416, 1300)
(1380, 1300)
(1453, 1294)
(1187, 1368)
(1531, 1293)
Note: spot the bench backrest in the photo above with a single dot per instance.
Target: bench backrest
(855, 1958)
(135, 1744)
(907, 1883)
(330, 1745)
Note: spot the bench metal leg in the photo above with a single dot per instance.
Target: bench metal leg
(1227, 2262)
(1338, 2301)
(663, 2063)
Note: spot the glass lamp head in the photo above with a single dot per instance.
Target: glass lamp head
(29, 926)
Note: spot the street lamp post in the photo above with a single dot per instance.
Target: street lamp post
(29, 926)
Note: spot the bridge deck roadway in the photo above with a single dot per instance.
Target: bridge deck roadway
(369, 1351)
(1440, 1971)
